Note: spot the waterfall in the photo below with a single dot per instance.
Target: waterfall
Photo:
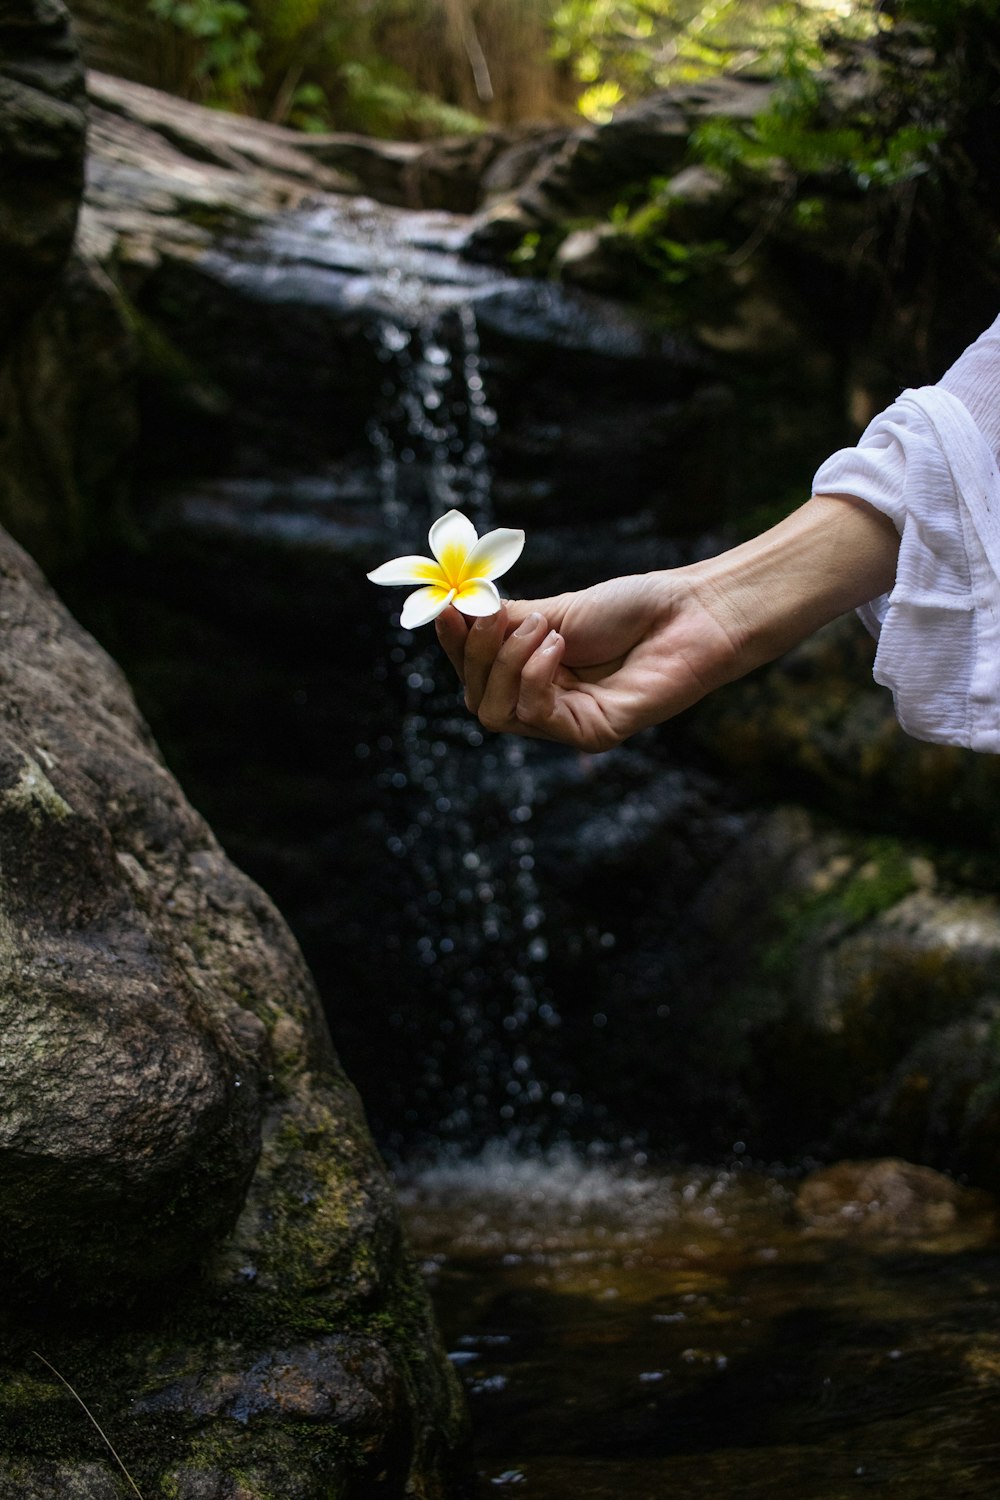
(462, 815)
(485, 915)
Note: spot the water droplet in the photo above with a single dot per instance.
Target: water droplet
(393, 338)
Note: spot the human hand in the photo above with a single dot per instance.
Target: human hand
(593, 667)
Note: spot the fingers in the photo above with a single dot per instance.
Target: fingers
(453, 632)
(536, 699)
(497, 706)
(517, 683)
(483, 643)
(471, 647)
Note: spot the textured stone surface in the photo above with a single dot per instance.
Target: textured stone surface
(42, 122)
(169, 1099)
(585, 172)
(887, 1197)
(133, 959)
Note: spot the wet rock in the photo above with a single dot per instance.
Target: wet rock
(202, 238)
(586, 259)
(344, 1377)
(585, 174)
(455, 174)
(261, 164)
(888, 1197)
(171, 1101)
(700, 202)
(60, 1481)
(859, 998)
(132, 1071)
(71, 374)
(42, 123)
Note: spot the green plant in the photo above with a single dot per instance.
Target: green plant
(227, 46)
(619, 48)
(800, 131)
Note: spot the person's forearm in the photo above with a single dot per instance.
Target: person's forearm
(832, 554)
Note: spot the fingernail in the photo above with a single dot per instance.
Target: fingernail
(528, 624)
(550, 642)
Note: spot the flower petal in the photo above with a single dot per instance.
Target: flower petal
(477, 597)
(494, 553)
(409, 570)
(452, 538)
(424, 605)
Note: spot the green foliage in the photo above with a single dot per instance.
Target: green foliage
(799, 132)
(227, 45)
(394, 67)
(620, 48)
(418, 67)
(383, 104)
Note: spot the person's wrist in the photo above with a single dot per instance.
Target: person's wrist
(832, 554)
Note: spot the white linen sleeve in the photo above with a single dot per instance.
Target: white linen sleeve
(929, 463)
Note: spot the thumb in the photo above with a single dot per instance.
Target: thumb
(552, 610)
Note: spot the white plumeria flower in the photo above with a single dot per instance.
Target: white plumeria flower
(461, 572)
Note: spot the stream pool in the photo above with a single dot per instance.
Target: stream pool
(624, 1334)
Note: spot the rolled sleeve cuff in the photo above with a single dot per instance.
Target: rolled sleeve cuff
(924, 463)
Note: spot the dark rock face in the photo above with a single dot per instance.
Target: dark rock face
(42, 124)
(169, 1097)
(816, 726)
(200, 253)
(583, 174)
(133, 1059)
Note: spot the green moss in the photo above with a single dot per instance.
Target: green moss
(262, 1457)
(879, 874)
(324, 1255)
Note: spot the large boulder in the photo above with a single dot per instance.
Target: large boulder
(170, 1102)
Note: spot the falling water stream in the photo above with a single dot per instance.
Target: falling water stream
(480, 895)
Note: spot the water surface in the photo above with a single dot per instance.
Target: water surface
(624, 1334)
